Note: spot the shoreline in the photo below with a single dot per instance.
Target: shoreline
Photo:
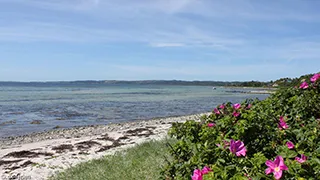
(40, 155)
(254, 90)
(60, 131)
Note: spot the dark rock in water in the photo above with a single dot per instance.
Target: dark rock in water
(8, 122)
(36, 122)
(16, 113)
(57, 127)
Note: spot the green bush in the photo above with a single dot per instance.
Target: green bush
(284, 126)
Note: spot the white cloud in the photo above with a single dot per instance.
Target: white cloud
(206, 71)
(167, 44)
(227, 26)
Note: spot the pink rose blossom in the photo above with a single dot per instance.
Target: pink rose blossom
(276, 167)
(315, 77)
(197, 173)
(216, 111)
(211, 124)
(236, 114)
(304, 85)
(282, 124)
(302, 159)
(237, 148)
(290, 145)
(222, 106)
(206, 170)
(237, 106)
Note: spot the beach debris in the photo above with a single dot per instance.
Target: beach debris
(3, 162)
(27, 154)
(63, 148)
(140, 132)
(84, 145)
(23, 165)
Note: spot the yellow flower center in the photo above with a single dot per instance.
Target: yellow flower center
(277, 169)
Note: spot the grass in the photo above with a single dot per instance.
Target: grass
(143, 161)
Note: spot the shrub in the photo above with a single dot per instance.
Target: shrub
(278, 137)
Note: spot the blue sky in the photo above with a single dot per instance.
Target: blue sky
(49, 40)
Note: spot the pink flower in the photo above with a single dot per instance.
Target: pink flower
(235, 114)
(304, 85)
(249, 106)
(276, 167)
(222, 106)
(290, 145)
(211, 124)
(237, 106)
(302, 159)
(197, 173)
(216, 111)
(315, 77)
(282, 124)
(237, 148)
(206, 170)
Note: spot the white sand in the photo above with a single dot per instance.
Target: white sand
(36, 157)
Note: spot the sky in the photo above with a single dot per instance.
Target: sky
(229, 40)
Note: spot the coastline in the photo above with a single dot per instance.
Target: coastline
(253, 90)
(40, 155)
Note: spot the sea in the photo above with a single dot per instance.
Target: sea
(37, 107)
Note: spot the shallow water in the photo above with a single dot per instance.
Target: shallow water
(71, 105)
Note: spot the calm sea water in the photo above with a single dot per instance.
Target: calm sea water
(78, 105)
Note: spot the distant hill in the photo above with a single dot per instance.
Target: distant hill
(291, 82)
(144, 82)
(283, 82)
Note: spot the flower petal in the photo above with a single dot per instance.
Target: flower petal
(270, 164)
(197, 175)
(284, 167)
(290, 145)
(206, 170)
(303, 157)
(281, 162)
(277, 161)
(241, 152)
(277, 175)
(268, 171)
(237, 106)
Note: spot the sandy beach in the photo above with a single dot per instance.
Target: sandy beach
(40, 155)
